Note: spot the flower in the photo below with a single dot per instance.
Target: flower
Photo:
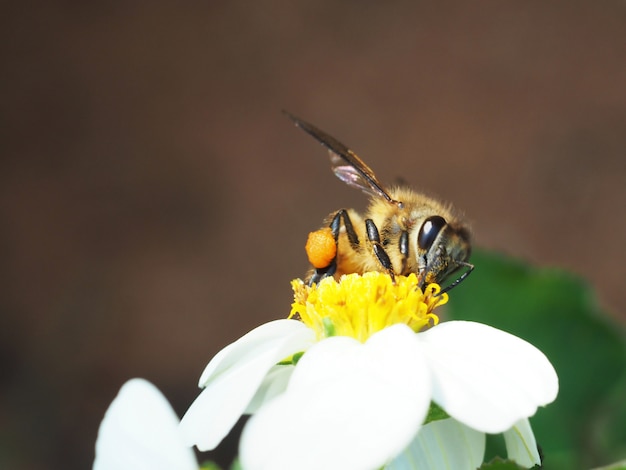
(359, 306)
(140, 432)
(350, 384)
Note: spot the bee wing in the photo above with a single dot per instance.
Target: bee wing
(350, 169)
(346, 165)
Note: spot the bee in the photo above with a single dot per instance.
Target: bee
(402, 231)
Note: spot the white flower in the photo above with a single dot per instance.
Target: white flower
(140, 432)
(360, 403)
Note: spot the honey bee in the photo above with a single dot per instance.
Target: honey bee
(402, 231)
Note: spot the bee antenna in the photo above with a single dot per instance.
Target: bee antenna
(461, 278)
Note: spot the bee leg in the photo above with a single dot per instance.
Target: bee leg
(404, 249)
(335, 228)
(461, 278)
(379, 251)
(421, 275)
(321, 273)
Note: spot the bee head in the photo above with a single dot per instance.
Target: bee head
(443, 248)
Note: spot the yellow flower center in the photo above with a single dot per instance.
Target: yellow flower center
(360, 305)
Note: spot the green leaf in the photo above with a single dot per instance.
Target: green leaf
(292, 360)
(435, 413)
(236, 465)
(614, 466)
(558, 313)
(500, 464)
(209, 465)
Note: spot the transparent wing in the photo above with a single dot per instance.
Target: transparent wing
(357, 177)
(346, 165)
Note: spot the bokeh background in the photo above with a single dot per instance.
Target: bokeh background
(154, 201)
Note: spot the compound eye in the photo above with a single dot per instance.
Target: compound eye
(429, 231)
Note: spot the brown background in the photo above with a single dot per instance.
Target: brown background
(154, 201)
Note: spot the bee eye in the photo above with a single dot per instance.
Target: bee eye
(429, 231)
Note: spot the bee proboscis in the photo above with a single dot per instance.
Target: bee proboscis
(402, 231)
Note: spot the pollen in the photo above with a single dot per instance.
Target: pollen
(321, 248)
(360, 305)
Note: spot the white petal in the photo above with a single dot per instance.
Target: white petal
(140, 432)
(233, 377)
(443, 445)
(347, 405)
(521, 445)
(486, 378)
(274, 383)
(260, 339)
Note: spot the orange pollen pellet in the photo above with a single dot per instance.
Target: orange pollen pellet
(321, 247)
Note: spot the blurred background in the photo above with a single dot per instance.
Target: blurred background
(154, 201)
